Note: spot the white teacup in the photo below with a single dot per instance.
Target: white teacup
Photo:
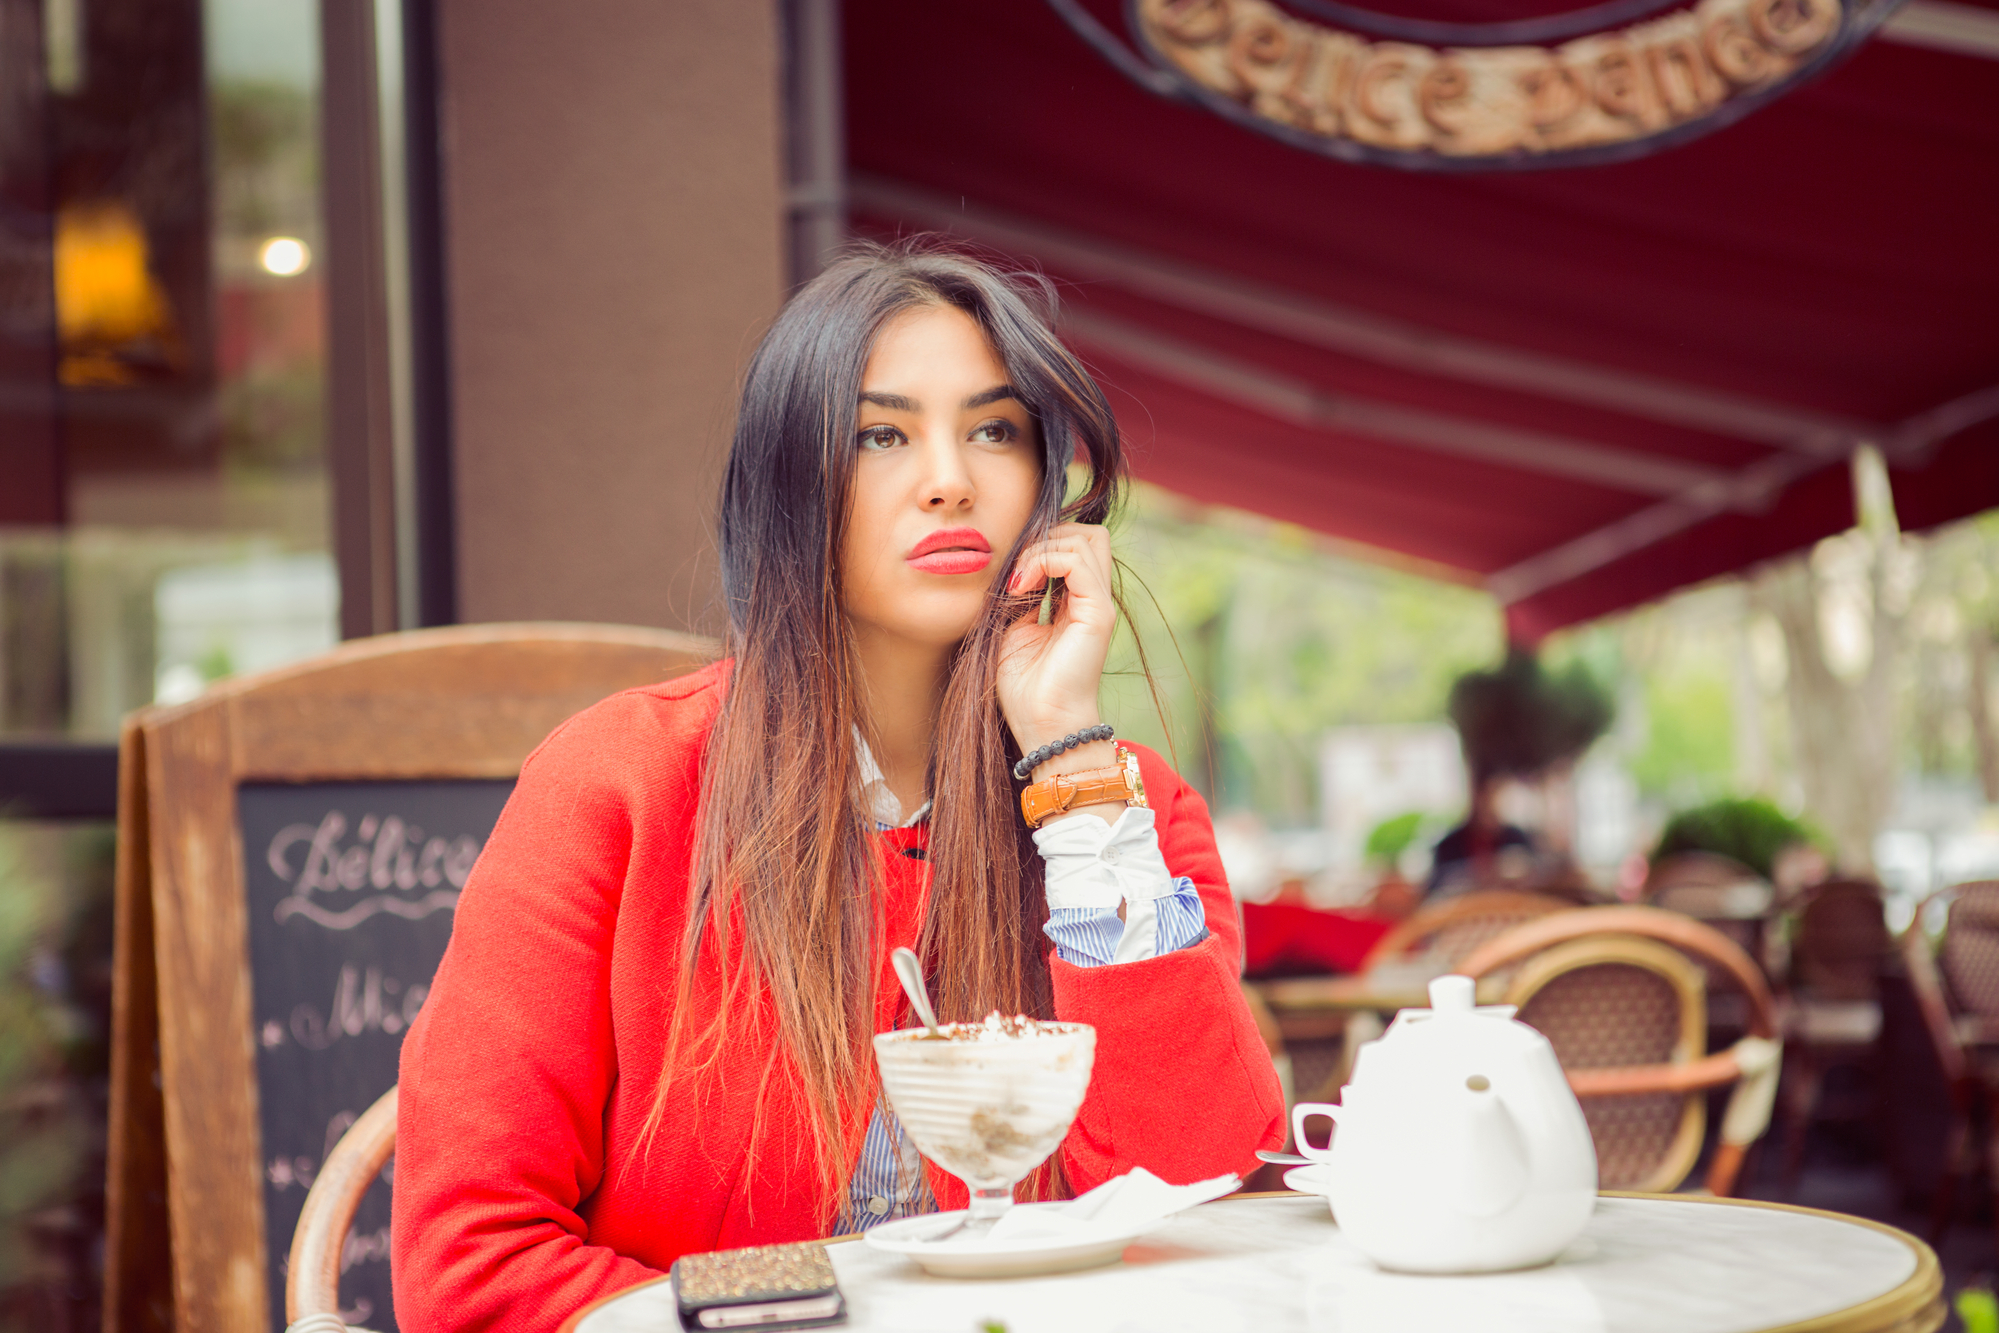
(1304, 1111)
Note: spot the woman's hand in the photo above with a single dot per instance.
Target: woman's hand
(1049, 674)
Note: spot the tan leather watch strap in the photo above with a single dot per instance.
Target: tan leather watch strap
(1096, 786)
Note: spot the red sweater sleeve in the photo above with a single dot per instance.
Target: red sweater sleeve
(500, 1133)
(1183, 1084)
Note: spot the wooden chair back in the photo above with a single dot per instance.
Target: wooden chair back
(1950, 1018)
(1719, 891)
(1698, 941)
(312, 1274)
(1841, 941)
(1969, 951)
(1688, 873)
(1621, 1002)
(1636, 1089)
(186, 1229)
(1450, 930)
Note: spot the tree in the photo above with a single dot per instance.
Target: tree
(1842, 611)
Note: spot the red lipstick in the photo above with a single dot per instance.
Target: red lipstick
(951, 551)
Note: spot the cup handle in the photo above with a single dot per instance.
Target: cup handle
(1304, 1111)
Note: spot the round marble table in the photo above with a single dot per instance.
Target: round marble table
(1646, 1264)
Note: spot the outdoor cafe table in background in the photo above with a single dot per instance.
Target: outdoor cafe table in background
(1383, 988)
(1647, 1263)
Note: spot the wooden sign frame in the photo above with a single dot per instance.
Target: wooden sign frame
(185, 1227)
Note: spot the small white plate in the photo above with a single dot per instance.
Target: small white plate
(958, 1257)
(1313, 1179)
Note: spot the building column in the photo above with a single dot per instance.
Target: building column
(614, 240)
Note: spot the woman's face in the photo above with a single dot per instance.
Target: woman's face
(947, 472)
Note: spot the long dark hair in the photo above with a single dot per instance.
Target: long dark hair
(786, 853)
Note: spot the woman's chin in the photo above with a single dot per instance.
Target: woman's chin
(929, 616)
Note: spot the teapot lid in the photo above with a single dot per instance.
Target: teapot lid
(1452, 995)
(1455, 1025)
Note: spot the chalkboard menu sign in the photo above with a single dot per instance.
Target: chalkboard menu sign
(291, 847)
(350, 888)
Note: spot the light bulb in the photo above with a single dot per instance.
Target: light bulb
(284, 256)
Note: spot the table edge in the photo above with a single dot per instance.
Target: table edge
(1906, 1308)
(1901, 1310)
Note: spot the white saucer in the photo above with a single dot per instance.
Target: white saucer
(956, 1257)
(1313, 1179)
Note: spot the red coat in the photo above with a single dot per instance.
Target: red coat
(519, 1194)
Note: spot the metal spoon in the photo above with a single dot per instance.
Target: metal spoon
(910, 971)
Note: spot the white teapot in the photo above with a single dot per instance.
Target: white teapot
(1459, 1147)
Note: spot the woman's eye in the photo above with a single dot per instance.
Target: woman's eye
(996, 432)
(880, 437)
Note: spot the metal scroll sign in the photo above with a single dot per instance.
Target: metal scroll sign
(1632, 76)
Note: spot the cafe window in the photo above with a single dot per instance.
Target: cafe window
(207, 463)
(209, 460)
(168, 522)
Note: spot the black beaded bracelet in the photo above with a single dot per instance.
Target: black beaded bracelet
(1029, 762)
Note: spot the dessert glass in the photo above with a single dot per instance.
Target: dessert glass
(989, 1101)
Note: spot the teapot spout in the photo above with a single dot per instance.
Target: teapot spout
(1492, 1166)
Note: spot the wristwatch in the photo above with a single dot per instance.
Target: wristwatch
(1044, 800)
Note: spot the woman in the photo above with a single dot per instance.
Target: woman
(650, 1033)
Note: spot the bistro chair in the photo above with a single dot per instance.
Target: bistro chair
(1956, 985)
(1620, 992)
(1721, 892)
(1319, 1024)
(1445, 933)
(1832, 1014)
(312, 1278)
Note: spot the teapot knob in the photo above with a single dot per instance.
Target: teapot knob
(1453, 995)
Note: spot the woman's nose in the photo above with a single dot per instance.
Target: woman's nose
(949, 484)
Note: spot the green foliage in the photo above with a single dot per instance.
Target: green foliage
(1751, 830)
(1690, 735)
(266, 156)
(1261, 637)
(273, 417)
(1978, 1310)
(216, 664)
(41, 1146)
(1520, 718)
(1391, 837)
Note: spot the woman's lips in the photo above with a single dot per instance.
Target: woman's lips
(958, 561)
(952, 551)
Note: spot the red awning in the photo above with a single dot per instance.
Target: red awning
(1585, 387)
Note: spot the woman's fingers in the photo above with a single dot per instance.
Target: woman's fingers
(1081, 577)
(1084, 554)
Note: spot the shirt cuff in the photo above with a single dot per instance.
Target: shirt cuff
(1094, 864)
(1095, 937)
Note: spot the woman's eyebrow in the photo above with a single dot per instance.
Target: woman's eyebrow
(992, 395)
(894, 402)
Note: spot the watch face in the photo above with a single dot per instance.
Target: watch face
(1134, 784)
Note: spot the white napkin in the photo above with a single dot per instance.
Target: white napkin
(1120, 1206)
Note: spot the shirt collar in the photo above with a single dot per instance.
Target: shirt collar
(882, 806)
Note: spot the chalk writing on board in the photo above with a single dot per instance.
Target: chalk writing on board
(286, 1172)
(389, 856)
(363, 1001)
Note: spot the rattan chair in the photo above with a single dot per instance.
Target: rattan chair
(1620, 993)
(1956, 985)
(1319, 1041)
(1721, 892)
(1832, 1015)
(1449, 931)
(312, 1278)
